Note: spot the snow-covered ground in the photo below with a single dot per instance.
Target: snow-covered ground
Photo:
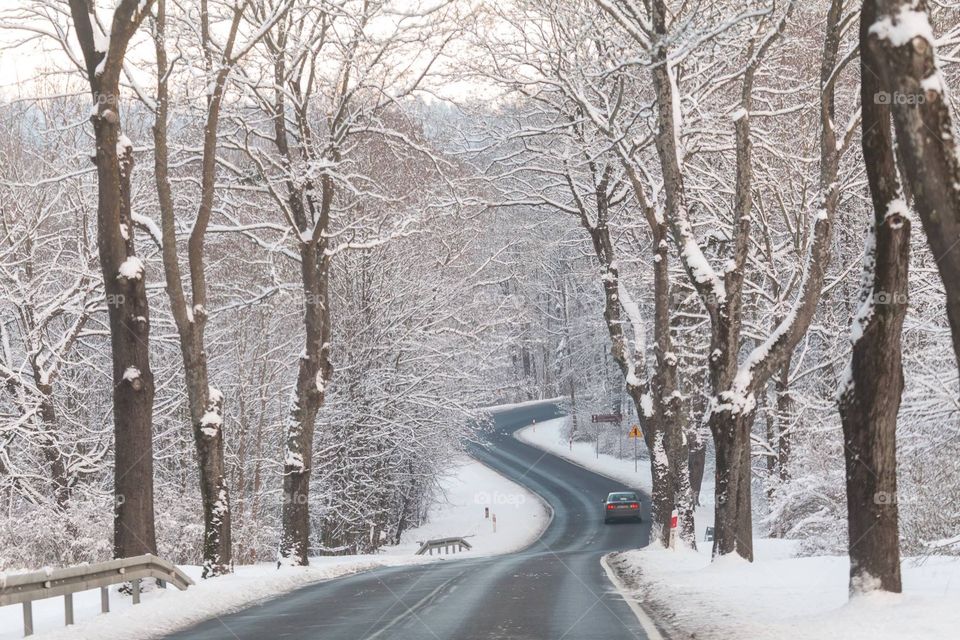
(778, 596)
(466, 491)
(784, 597)
(470, 486)
(548, 436)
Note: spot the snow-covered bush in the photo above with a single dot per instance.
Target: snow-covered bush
(33, 536)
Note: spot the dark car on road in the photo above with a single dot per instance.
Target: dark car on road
(621, 505)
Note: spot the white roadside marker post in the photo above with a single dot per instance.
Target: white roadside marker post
(494, 523)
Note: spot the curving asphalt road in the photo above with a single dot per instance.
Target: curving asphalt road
(555, 589)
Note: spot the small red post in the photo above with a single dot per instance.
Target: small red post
(674, 517)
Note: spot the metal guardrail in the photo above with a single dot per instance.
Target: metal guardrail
(444, 543)
(26, 587)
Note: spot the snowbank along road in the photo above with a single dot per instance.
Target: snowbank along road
(554, 589)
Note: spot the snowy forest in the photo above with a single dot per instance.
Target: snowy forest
(263, 261)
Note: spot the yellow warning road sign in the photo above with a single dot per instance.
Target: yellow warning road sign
(635, 432)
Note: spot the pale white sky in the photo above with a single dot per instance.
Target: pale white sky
(23, 65)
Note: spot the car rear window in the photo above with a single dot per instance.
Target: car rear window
(622, 497)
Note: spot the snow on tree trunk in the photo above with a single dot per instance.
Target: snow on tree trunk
(205, 403)
(657, 400)
(904, 56)
(870, 392)
(313, 374)
(124, 280)
(668, 402)
(732, 386)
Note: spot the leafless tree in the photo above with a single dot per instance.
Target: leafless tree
(734, 385)
(124, 276)
(869, 396)
(333, 87)
(205, 401)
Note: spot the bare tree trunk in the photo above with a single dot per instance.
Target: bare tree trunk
(573, 406)
(668, 401)
(733, 402)
(129, 314)
(257, 468)
(769, 456)
(51, 452)
(925, 135)
(206, 416)
(313, 374)
(311, 220)
(697, 461)
(733, 519)
(205, 402)
(784, 421)
(124, 283)
(721, 299)
(870, 399)
(568, 350)
(663, 495)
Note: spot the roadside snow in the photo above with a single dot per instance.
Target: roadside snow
(778, 596)
(548, 436)
(465, 491)
(163, 611)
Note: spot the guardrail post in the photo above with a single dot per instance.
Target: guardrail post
(104, 600)
(68, 609)
(443, 546)
(136, 590)
(28, 618)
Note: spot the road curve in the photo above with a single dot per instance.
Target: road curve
(555, 589)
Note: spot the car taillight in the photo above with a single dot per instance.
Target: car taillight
(611, 506)
(634, 505)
